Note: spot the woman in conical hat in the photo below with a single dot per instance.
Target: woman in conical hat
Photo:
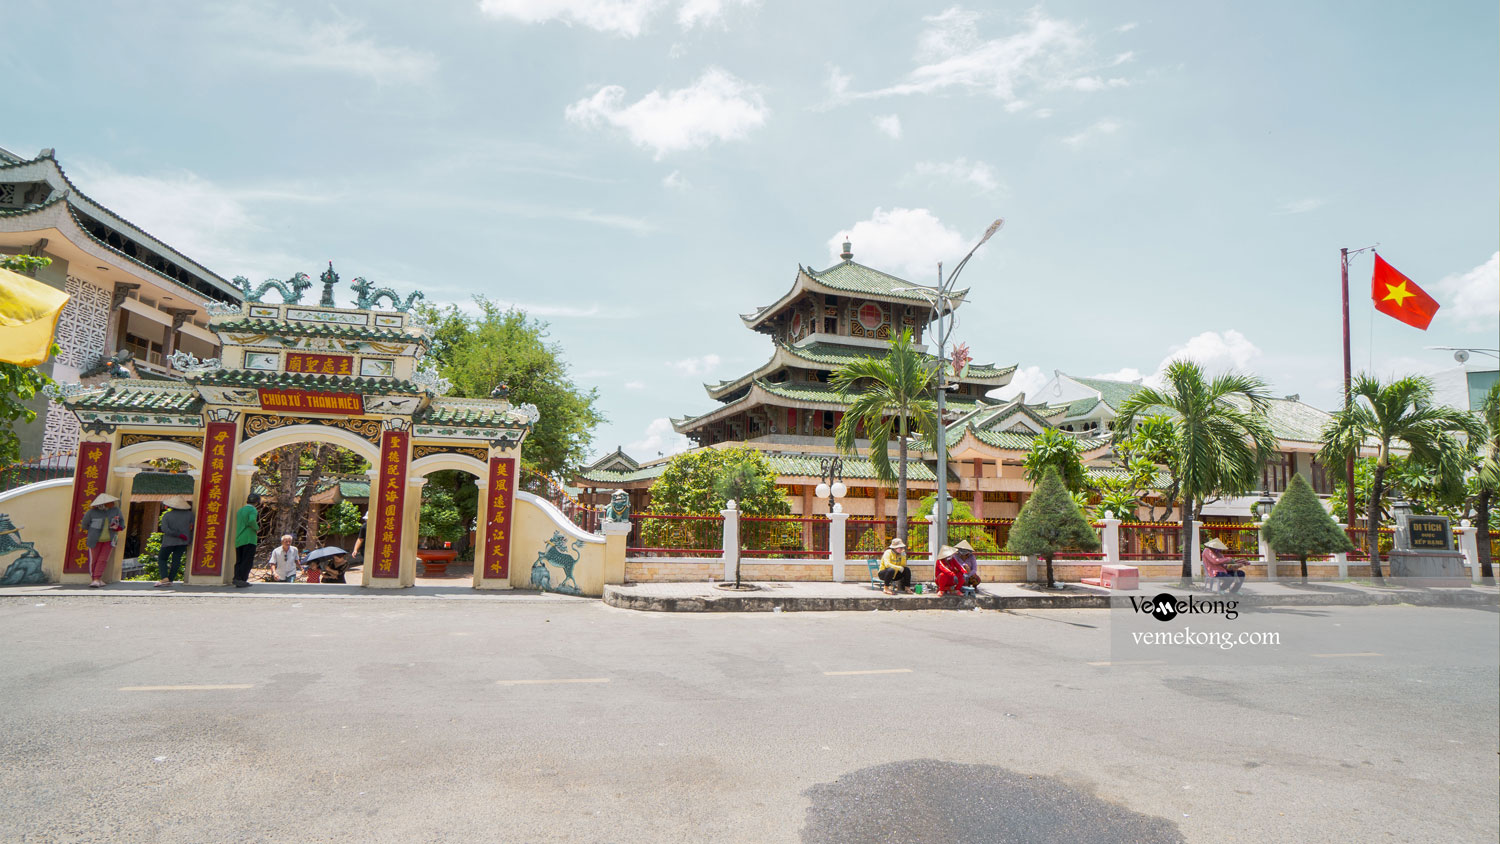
(101, 526)
(176, 532)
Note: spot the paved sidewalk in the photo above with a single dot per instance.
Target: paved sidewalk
(815, 597)
(145, 590)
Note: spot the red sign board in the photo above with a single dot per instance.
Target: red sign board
(213, 529)
(870, 316)
(89, 479)
(389, 497)
(497, 521)
(319, 364)
(309, 401)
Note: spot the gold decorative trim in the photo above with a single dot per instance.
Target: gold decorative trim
(127, 440)
(421, 451)
(259, 423)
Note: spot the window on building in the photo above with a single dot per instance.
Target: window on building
(1278, 473)
(1321, 483)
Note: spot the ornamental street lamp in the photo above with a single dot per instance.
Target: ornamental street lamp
(941, 299)
(1264, 505)
(831, 476)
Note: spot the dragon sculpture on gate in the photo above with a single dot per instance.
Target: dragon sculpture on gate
(291, 289)
(370, 296)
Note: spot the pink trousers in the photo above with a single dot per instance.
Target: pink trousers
(99, 555)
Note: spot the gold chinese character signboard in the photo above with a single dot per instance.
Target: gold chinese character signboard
(496, 525)
(90, 479)
(214, 527)
(387, 498)
(319, 364)
(311, 401)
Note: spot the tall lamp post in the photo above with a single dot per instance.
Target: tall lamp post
(943, 315)
(831, 480)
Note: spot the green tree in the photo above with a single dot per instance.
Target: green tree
(1050, 521)
(439, 517)
(977, 536)
(1151, 441)
(504, 346)
(1053, 449)
(694, 482)
(1299, 525)
(1217, 447)
(889, 397)
(1487, 478)
(18, 384)
(341, 520)
(1397, 414)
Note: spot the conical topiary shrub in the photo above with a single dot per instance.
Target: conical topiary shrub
(1049, 522)
(1299, 525)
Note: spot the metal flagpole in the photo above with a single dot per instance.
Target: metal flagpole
(1348, 392)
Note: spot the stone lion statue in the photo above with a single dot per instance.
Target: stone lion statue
(619, 507)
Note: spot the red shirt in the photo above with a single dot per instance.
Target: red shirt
(314, 575)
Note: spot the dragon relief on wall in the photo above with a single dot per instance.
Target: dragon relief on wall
(555, 553)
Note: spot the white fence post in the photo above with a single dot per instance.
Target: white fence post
(1468, 542)
(731, 543)
(1197, 549)
(1267, 553)
(1109, 536)
(1031, 574)
(934, 542)
(836, 539)
(1341, 559)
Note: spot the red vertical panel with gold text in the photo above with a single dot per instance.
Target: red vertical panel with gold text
(213, 529)
(497, 525)
(390, 498)
(89, 479)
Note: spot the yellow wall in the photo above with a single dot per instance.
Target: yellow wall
(534, 523)
(40, 513)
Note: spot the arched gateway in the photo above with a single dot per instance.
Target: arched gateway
(354, 377)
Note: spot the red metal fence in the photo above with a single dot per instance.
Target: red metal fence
(1360, 539)
(45, 468)
(784, 536)
(1150, 541)
(653, 535)
(1242, 538)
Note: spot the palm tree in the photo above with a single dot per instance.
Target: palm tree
(1398, 414)
(1220, 436)
(889, 396)
(1489, 477)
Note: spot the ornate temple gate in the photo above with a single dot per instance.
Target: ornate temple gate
(288, 374)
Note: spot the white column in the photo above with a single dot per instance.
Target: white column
(1031, 574)
(1267, 553)
(1109, 536)
(836, 539)
(1197, 548)
(1468, 542)
(934, 542)
(731, 543)
(1341, 559)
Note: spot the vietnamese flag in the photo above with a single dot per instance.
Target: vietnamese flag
(1397, 296)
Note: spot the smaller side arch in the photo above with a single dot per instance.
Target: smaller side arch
(424, 466)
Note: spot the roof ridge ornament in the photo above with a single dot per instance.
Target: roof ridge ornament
(848, 253)
(61, 391)
(188, 363)
(214, 308)
(428, 379)
(329, 279)
(370, 296)
(291, 290)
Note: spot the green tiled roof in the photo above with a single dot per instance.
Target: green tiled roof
(306, 381)
(606, 476)
(1009, 440)
(135, 395)
(824, 394)
(855, 468)
(1293, 420)
(440, 413)
(858, 278)
(837, 354)
(162, 483)
(302, 329)
(1112, 393)
(354, 489)
(1082, 406)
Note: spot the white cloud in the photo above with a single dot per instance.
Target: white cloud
(905, 241)
(838, 83)
(696, 366)
(1211, 350)
(659, 440)
(676, 181)
(1042, 54)
(962, 171)
(717, 107)
(627, 18)
(889, 124)
(1028, 380)
(1126, 27)
(1122, 58)
(1472, 299)
(1106, 126)
(1301, 206)
(635, 385)
(274, 38)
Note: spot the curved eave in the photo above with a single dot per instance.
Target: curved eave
(92, 207)
(757, 395)
(807, 283)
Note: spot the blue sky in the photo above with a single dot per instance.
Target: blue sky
(1176, 178)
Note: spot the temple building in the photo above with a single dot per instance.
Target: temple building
(788, 409)
(134, 300)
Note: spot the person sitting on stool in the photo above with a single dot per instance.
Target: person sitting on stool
(893, 568)
(1217, 564)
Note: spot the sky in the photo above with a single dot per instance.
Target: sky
(1175, 179)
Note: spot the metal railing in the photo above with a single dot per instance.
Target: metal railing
(676, 535)
(45, 468)
(1150, 541)
(784, 536)
(1242, 538)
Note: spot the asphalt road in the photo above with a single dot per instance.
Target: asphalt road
(219, 720)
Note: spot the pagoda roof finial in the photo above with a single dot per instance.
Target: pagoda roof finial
(848, 253)
(329, 279)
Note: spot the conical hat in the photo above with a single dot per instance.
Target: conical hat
(104, 498)
(963, 545)
(178, 502)
(946, 551)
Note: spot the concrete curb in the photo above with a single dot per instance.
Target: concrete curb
(631, 598)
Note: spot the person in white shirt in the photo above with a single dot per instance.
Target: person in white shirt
(285, 560)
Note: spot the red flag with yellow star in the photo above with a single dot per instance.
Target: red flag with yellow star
(1397, 296)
